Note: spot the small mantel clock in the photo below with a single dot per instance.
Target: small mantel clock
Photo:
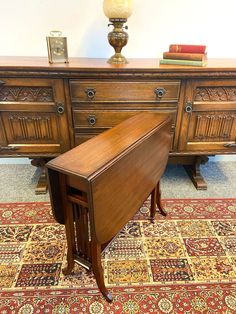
(57, 48)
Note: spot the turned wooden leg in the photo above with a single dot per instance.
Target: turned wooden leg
(194, 172)
(98, 271)
(42, 185)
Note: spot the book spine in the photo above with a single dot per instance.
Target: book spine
(182, 62)
(184, 55)
(187, 48)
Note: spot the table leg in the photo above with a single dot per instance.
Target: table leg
(158, 200)
(70, 237)
(153, 204)
(98, 271)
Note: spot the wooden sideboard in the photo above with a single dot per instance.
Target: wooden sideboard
(47, 109)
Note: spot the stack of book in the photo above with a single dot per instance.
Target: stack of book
(194, 55)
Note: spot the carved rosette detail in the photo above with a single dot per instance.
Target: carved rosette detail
(25, 93)
(31, 128)
(214, 127)
(215, 94)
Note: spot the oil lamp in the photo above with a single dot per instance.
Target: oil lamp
(117, 11)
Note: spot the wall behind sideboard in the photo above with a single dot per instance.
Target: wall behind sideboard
(153, 26)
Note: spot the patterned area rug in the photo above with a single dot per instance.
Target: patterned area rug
(182, 263)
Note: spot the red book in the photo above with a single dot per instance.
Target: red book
(187, 48)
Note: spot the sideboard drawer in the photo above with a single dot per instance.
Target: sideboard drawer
(90, 123)
(94, 91)
(105, 118)
(100, 118)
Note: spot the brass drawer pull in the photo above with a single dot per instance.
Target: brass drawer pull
(60, 108)
(189, 107)
(90, 93)
(92, 119)
(8, 148)
(160, 92)
(230, 145)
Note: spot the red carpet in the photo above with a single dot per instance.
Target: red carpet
(185, 263)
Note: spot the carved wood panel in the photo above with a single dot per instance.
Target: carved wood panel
(213, 127)
(210, 124)
(33, 116)
(30, 128)
(26, 93)
(223, 93)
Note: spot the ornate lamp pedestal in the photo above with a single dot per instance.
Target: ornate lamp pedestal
(118, 39)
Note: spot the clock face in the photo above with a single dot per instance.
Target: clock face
(57, 46)
(57, 49)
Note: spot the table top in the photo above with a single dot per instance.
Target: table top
(98, 153)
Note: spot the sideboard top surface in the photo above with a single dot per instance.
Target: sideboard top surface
(91, 64)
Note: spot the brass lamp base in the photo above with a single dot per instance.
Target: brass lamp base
(118, 39)
(117, 58)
